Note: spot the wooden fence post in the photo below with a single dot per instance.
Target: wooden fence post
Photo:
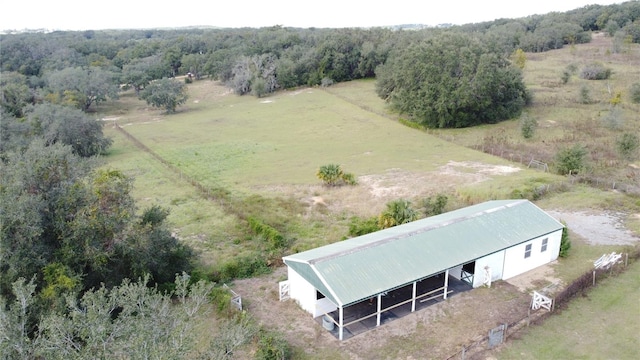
(626, 259)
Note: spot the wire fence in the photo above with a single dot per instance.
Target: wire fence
(214, 194)
(481, 344)
(531, 161)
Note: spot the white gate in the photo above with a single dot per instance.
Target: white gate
(284, 290)
(236, 300)
(541, 301)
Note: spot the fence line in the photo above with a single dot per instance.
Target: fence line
(579, 286)
(531, 161)
(215, 194)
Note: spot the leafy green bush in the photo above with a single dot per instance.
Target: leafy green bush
(565, 243)
(349, 179)
(435, 206)
(221, 300)
(528, 125)
(241, 268)
(271, 235)
(271, 346)
(628, 145)
(571, 160)
(360, 226)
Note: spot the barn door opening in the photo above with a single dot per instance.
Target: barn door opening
(468, 271)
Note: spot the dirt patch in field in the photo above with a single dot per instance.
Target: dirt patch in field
(373, 191)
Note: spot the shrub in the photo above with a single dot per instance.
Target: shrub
(613, 119)
(565, 243)
(332, 175)
(435, 206)
(271, 346)
(241, 268)
(359, 226)
(221, 300)
(584, 96)
(528, 125)
(398, 212)
(628, 145)
(349, 179)
(595, 71)
(565, 76)
(567, 72)
(634, 92)
(571, 160)
(519, 58)
(271, 235)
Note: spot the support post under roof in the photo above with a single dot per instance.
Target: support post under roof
(413, 298)
(446, 283)
(379, 308)
(341, 325)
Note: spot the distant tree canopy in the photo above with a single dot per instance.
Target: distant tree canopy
(83, 68)
(452, 80)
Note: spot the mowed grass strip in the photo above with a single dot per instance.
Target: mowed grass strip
(603, 324)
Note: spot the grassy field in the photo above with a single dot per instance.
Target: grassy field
(603, 324)
(264, 153)
(271, 148)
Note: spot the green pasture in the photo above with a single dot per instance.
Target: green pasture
(603, 324)
(240, 143)
(260, 148)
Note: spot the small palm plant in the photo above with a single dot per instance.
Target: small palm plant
(397, 212)
(332, 175)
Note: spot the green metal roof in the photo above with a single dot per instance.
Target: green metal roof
(358, 268)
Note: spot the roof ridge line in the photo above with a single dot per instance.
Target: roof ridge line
(418, 231)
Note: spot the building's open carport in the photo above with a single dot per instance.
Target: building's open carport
(394, 304)
(360, 283)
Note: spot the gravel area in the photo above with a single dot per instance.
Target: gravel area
(598, 229)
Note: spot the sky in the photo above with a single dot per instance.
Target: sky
(141, 14)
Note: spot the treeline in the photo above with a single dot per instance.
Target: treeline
(259, 61)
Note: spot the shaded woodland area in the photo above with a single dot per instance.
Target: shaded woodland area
(70, 233)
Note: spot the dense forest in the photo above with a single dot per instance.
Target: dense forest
(70, 232)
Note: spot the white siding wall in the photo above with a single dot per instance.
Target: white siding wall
(456, 272)
(495, 262)
(515, 262)
(302, 291)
